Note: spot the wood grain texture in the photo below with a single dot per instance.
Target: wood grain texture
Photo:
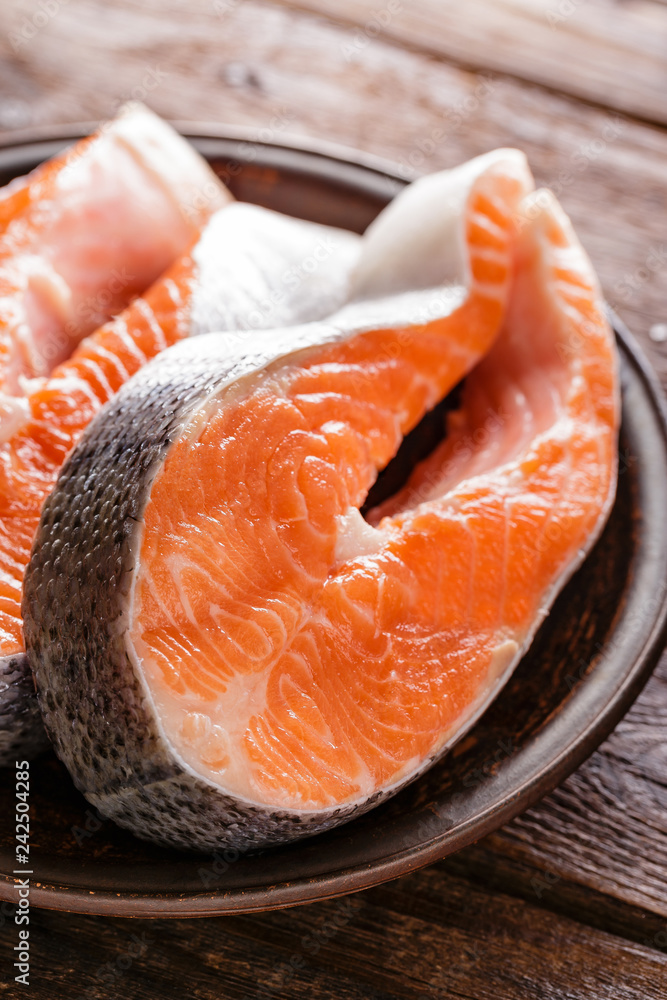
(599, 50)
(429, 935)
(606, 825)
(609, 53)
(574, 892)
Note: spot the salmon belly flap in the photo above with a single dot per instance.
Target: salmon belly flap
(124, 199)
(225, 636)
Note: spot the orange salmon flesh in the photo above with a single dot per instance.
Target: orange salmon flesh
(306, 658)
(226, 651)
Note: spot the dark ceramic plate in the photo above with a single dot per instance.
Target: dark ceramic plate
(587, 664)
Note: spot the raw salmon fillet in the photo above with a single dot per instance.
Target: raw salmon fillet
(225, 651)
(248, 268)
(97, 226)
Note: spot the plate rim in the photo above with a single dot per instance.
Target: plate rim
(341, 881)
(69, 132)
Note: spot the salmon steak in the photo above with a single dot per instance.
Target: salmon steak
(248, 269)
(226, 651)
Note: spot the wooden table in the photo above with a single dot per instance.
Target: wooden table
(570, 900)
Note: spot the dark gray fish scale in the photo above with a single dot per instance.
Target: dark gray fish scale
(22, 734)
(76, 601)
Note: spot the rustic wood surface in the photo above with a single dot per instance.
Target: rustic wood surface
(570, 900)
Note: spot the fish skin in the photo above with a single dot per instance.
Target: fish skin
(22, 733)
(85, 674)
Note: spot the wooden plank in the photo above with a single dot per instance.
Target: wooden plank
(611, 54)
(287, 73)
(428, 935)
(606, 825)
(491, 865)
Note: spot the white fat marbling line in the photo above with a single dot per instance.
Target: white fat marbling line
(356, 537)
(14, 415)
